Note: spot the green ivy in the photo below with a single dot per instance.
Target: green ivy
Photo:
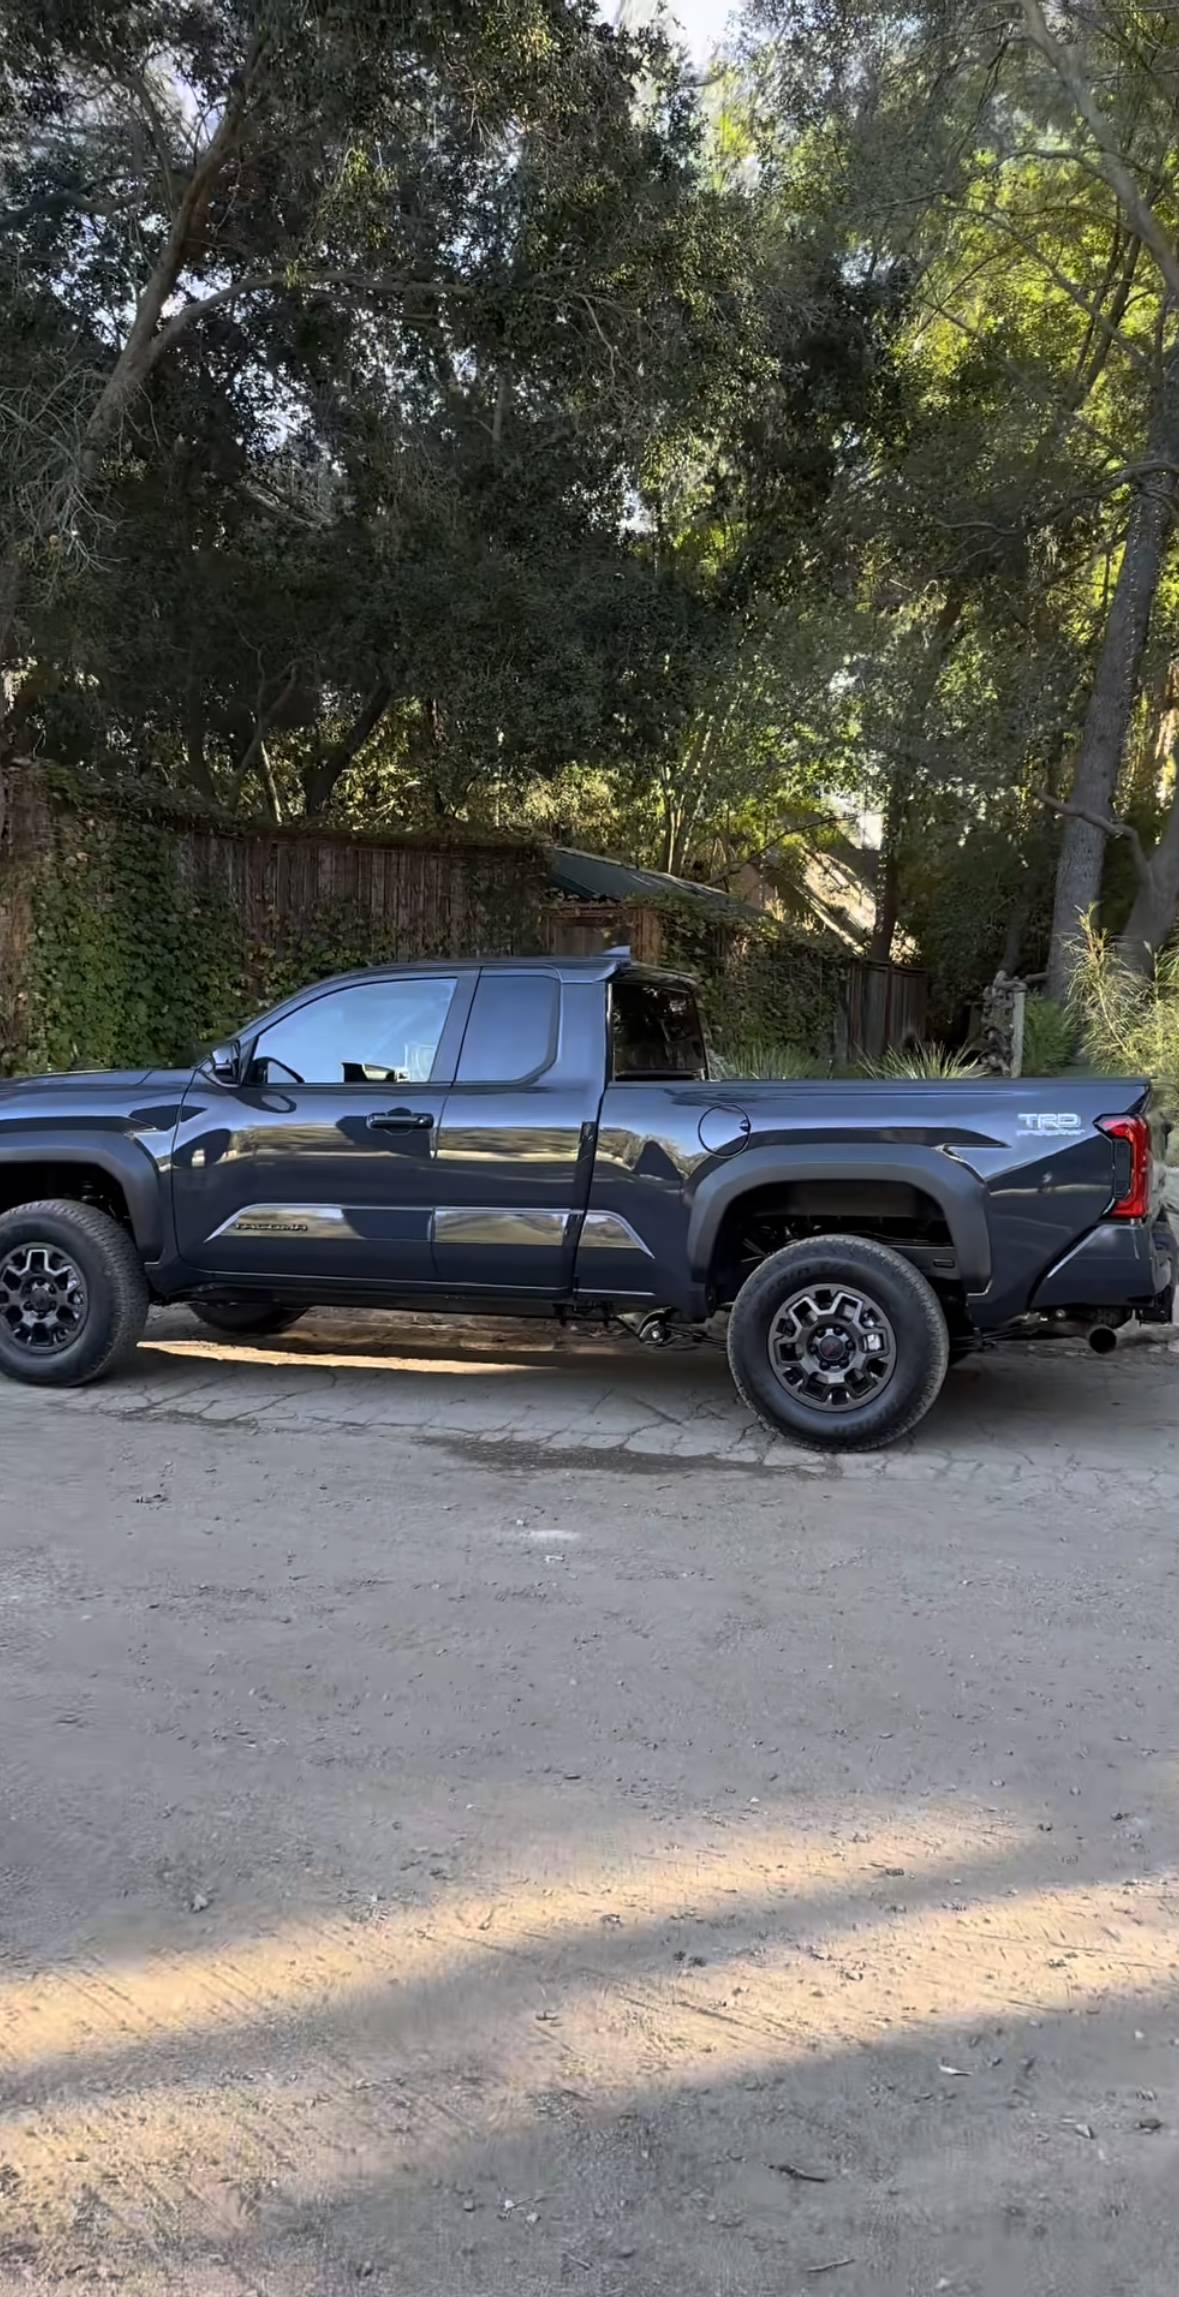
(128, 965)
(757, 979)
(127, 962)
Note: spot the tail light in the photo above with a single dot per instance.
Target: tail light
(1133, 1166)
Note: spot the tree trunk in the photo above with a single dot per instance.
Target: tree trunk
(888, 881)
(900, 787)
(268, 783)
(9, 596)
(145, 340)
(1156, 903)
(1115, 683)
(322, 775)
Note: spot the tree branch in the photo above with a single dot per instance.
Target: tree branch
(136, 84)
(999, 221)
(320, 778)
(366, 282)
(267, 713)
(1144, 470)
(1108, 828)
(1122, 181)
(143, 344)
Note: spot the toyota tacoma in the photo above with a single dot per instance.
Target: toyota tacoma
(544, 1136)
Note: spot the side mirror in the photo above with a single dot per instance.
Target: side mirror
(224, 1063)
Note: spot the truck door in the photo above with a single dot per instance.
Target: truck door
(320, 1163)
(516, 1142)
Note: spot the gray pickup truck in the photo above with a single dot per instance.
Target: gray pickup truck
(544, 1137)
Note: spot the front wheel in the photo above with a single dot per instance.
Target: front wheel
(73, 1295)
(838, 1342)
(245, 1317)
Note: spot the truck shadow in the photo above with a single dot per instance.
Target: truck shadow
(476, 1380)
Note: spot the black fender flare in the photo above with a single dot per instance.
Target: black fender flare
(142, 1184)
(954, 1188)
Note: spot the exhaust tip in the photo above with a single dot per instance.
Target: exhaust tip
(1103, 1339)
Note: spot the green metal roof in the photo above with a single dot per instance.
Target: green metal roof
(590, 877)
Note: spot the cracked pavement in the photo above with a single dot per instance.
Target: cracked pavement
(1021, 1414)
(478, 1818)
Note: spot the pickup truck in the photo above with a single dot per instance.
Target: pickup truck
(544, 1136)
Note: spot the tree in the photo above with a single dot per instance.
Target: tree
(1136, 60)
(967, 144)
(337, 340)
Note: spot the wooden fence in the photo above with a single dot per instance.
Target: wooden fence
(123, 933)
(879, 1006)
(292, 904)
(886, 1007)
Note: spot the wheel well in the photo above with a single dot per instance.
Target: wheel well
(83, 1183)
(894, 1213)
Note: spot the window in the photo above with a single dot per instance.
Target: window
(656, 1031)
(512, 1031)
(379, 1033)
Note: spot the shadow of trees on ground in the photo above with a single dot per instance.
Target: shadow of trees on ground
(729, 2071)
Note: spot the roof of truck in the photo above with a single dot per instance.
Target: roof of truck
(600, 967)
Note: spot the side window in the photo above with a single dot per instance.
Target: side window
(378, 1033)
(512, 1031)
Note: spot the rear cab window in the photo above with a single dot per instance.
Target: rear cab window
(655, 1032)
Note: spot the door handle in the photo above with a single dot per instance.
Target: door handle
(400, 1121)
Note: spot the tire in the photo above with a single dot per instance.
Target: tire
(90, 1276)
(894, 1349)
(245, 1317)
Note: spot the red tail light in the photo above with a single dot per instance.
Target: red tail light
(1134, 1182)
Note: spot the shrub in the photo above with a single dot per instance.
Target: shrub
(756, 1056)
(924, 1061)
(1049, 1037)
(1129, 1023)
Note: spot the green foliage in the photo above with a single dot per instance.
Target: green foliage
(924, 1061)
(1049, 1037)
(533, 441)
(758, 982)
(363, 532)
(132, 959)
(1129, 1024)
(128, 965)
(754, 1056)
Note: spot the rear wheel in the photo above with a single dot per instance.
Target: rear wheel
(246, 1316)
(73, 1296)
(838, 1342)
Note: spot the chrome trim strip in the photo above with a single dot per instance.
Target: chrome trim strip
(503, 1227)
(608, 1231)
(330, 1222)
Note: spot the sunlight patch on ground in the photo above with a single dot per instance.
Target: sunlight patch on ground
(323, 1360)
(771, 1873)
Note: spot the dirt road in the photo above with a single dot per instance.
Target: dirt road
(479, 1822)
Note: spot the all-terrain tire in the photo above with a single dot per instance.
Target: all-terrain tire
(891, 1287)
(245, 1317)
(113, 1290)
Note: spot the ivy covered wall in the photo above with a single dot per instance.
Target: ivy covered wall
(130, 936)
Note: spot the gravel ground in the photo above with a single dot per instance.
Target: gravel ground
(480, 1821)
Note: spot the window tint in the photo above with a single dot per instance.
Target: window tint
(656, 1031)
(512, 1031)
(380, 1033)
